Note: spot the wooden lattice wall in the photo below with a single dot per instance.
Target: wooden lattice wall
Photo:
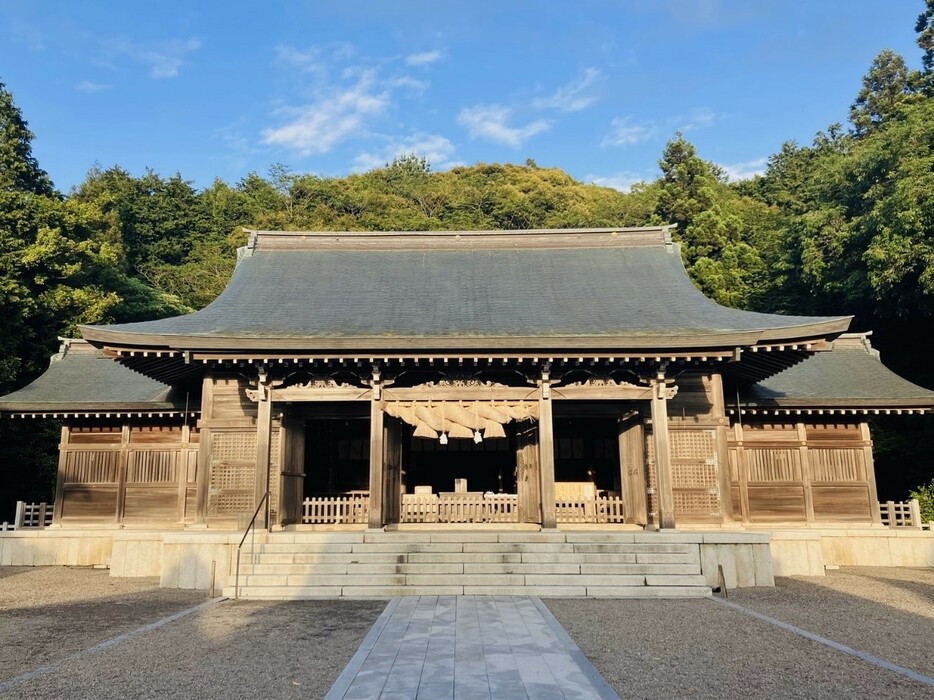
(802, 472)
(132, 472)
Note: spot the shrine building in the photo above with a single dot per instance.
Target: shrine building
(541, 381)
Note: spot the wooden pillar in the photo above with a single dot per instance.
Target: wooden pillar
(546, 454)
(263, 441)
(666, 499)
(203, 475)
(122, 459)
(805, 471)
(181, 469)
(869, 464)
(375, 520)
(60, 477)
(742, 468)
(723, 450)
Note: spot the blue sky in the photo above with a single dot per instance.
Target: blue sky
(595, 87)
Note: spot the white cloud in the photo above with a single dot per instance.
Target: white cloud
(335, 116)
(491, 122)
(699, 118)
(423, 59)
(624, 132)
(747, 170)
(622, 181)
(405, 81)
(436, 148)
(89, 86)
(572, 97)
(164, 59)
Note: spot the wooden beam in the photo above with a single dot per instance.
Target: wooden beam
(301, 394)
(376, 465)
(461, 393)
(546, 460)
(663, 479)
(602, 393)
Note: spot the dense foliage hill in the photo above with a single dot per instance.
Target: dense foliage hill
(843, 225)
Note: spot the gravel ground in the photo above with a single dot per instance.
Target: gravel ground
(645, 649)
(48, 613)
(698, 649)
(229, 650)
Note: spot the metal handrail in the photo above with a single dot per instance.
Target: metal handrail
(243, 539)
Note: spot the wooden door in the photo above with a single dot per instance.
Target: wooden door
(292, 479)
(528, 485)
(392, 469)
(632, 469)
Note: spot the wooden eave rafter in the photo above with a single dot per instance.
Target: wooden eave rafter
(109, 413)
(829, 411)
(752, 362)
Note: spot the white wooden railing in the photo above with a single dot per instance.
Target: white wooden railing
(903, 514)
(348, 509)
(29, 515)
(457, 508)
(602, 509)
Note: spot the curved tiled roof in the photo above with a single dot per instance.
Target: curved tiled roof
(850, 376)
(596, 288)
(79, 380)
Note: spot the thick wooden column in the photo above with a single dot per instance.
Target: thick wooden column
(723, 449)
(203, 475)
(546, 454)
(377, 467)
(263, 441)
(60, 477)
(666, 499)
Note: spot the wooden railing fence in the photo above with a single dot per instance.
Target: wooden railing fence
(29, 515)
(903, 514)
(350, 509)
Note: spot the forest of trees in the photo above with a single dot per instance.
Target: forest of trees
(844, 225)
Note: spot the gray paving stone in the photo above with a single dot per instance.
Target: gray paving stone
(466, 647)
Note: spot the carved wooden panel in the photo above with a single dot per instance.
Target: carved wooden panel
(837, 464)
(695, 474)
(151, 466)
(91, 466)
(232, 473)
(773, 464)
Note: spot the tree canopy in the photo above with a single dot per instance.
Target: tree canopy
(842, 225)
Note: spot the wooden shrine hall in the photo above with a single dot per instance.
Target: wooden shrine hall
(377, 380)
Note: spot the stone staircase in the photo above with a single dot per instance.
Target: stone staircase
(299, 565)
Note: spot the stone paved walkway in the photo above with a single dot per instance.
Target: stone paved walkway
(466, 647)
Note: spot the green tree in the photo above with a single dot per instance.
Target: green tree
(885, 85)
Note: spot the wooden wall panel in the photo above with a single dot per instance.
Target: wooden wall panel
(151, 502)
(837, 464)
(776, 503)
(155, 434)
(695, 401)
(229, 399)
(91, 466)
(152, 466)
(87, 502)
(842, 503)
